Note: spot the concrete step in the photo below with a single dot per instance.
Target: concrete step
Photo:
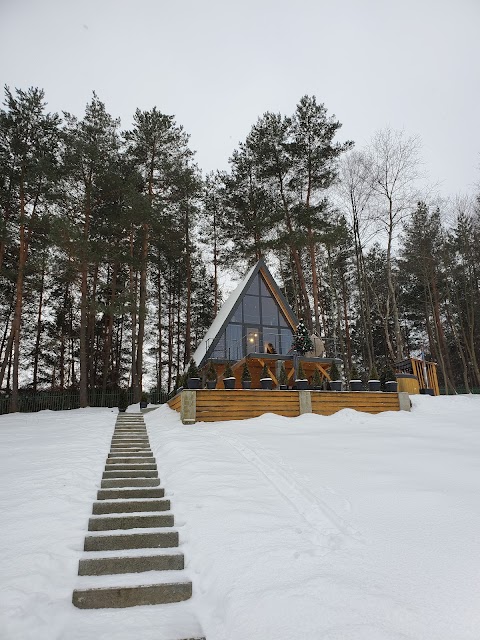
(129, 459)
(130, 474)
(129, 430)
(118, 454)
(115, 494)
(131, 467)
(130, 564)
(130, 453)
(131, 426)
(112, 523)
(130, 440)
(130, 456)
(118, 446)
(129, 434)
(131, 423)
(130, 482)
(131, 596)
(129, 446)
(115, 448)
(130, 506)
(135, 435)
(131, 541)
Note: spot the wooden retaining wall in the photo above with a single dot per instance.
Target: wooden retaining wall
(325, 403)
(221, 404)
(238, 405)
(176, 402)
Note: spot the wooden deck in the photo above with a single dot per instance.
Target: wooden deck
(255, 362)
(221, 404)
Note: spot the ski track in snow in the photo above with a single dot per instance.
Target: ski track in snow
(329, 529)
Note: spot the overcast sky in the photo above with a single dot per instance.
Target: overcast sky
(218, 64)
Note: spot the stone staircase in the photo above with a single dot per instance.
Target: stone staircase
(131, 521)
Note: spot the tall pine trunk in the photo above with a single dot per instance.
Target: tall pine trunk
(17, 317)
(142, 312)
(188, 269)
(84, 303)
(39, 328)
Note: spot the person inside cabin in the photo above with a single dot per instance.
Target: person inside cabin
(270, 348)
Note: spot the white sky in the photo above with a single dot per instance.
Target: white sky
(217, 65)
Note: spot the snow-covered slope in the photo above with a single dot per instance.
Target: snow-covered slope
(348, 527)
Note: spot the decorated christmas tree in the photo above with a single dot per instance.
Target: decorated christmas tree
(301, 339)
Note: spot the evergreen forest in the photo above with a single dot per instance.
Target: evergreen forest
(113, 245)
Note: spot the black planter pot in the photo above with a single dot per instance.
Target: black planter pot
(427, 392)
(302, 385)
(194, 383)
(283, 387)
(211, 384)
(374, 385)
(391, 386)
(335, 385)
(246, 384)
(143, 405)
(356, 385)
(266, 383)
(121, 410)
(229, 383)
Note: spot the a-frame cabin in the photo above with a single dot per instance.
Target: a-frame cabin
(256, 324)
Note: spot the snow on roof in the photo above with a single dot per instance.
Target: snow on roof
(221, 317)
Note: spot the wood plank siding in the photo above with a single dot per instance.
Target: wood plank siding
(221, 404)
(238, 405)
(325, 403)
(176, 402)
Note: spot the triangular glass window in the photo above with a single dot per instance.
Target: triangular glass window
(257, 325)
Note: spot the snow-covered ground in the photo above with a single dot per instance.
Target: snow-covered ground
(351, 527)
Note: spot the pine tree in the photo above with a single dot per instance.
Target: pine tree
(192, 371)
(301, 339)
(29, 143)
(334, 372)
(301, 373)
(91, 148)
(246, 375)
